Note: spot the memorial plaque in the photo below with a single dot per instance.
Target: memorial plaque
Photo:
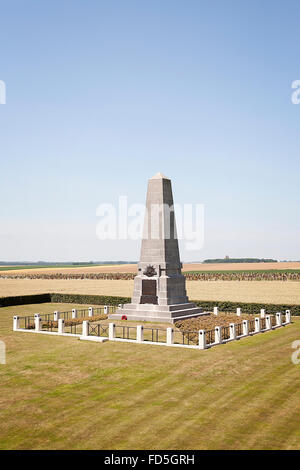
(148, 292)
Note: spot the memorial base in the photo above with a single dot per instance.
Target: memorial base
(157, 313)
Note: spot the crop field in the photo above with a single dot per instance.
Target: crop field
(132, 268)
(275, 292)
(6, 268)
(124, 268)
(241, 266)
(62, 393)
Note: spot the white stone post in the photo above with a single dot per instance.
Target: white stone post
(85, 328)
(257, 325)
(16, 323)
(37, 322)
(232, 331)
(91, 311)
(245, 327)
(278, 319)
(140, 333)
(238, 311)
(216, 310)
(287, 317)
(74, 313)
(105, 310)
(170, 336)
(56, 316)
(262, 313)
(61, 326)
(269, 322)
(218, 335)
(202, 339)
(111, 331)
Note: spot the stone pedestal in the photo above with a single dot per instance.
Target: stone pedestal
(159, 287)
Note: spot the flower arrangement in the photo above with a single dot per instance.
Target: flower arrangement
(124, 317)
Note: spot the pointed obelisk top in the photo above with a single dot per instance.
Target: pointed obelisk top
(159, 176)
(159, 242)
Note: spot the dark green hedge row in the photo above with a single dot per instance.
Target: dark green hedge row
(25, 299)
(113, 300)
(89, 299)
(225, 306)
(205, 304)
(63, 298)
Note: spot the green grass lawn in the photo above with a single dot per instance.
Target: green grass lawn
(62, 393)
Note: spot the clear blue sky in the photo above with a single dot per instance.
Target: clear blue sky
(103, 94)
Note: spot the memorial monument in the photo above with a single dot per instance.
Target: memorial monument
(159, 287)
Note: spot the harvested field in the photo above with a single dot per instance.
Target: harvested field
(117, 268)
(83, 286)
(132, 268)
(275, 292)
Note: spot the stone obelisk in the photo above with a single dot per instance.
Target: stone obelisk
(159, 287)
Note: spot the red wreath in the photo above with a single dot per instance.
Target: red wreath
(124, 317)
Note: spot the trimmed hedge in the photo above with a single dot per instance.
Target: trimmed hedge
(89, 299)
(24, 299)
(224, 306)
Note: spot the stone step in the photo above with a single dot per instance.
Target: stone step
(156, 316)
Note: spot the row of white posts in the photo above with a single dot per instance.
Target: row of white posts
(202, 344)
(75, 312)
(262, 312)
(38, 324)
(139, 333)
(245, 327)
(56, 317)
(85, 330)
